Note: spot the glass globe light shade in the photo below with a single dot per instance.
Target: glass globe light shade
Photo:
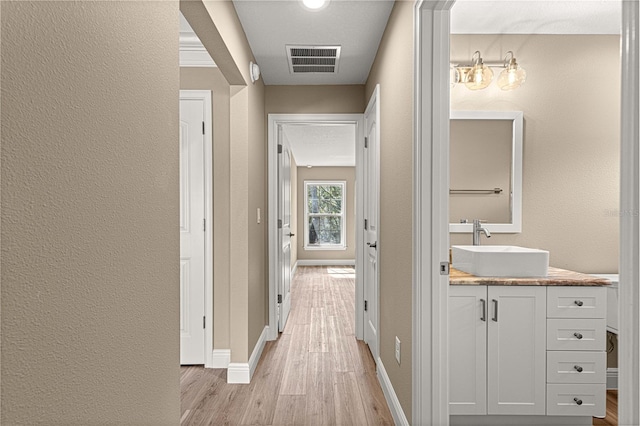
(512, 76)
(314, 4)
(479, 77)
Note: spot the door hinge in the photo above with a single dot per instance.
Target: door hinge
(204, 322)
(366, 305)
(279, 223)
(366, 224)
(203, 127)
(279, 298)
(279, 148)
(444, 268)
(366, 142)
(204, 224)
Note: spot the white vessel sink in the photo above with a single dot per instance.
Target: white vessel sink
(501, 261)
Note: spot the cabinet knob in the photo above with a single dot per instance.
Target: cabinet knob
(578, 335)
(578, 401)
(578, 368)
(578, 302)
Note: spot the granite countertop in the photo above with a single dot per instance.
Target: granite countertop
(556, 276)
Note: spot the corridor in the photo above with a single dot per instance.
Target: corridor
(316, 373)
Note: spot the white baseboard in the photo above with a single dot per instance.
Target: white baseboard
(390, 395)
(242, 372)
(221, 358)
(327, 262)
(612, 378)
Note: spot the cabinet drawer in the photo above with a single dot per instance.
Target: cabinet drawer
(576, 367)
(576, 400)
(576, 302)
(576, 334)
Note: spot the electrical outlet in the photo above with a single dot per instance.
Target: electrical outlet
(398, 350)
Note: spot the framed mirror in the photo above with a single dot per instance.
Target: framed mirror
(486, 170)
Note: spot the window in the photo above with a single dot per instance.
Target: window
(324, 215)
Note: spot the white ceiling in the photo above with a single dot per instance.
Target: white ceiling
(357, 26)
(536, 17)
(328, 145)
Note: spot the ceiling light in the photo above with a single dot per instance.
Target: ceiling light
(315, 4)
(477, 75)
(512, 76)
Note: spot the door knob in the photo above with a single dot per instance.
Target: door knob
(373, 245)
(292, 235)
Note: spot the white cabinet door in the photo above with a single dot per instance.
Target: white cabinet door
(468, 349)
(516, 350)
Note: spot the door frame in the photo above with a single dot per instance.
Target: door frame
(205, 96)
(275, 121)
(431, 131)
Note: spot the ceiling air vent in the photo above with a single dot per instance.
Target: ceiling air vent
(313, 59)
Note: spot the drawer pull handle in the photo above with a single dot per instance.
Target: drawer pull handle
(578, 335)
(578, 302)
(578, 401)
(578, 368)
(484, 310)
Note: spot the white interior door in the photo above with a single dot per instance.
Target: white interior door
(284, 216)
(371, 209)
(192, 235)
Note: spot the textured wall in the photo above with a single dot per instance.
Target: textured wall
(90, 243)
(393, 70)
(571, 167)
(212, 79)
(347, 174)
(314, 100)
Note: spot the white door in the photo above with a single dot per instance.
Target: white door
(284, 224)
(468, 349)
(371, 208)
(516, 350)
(192, 214)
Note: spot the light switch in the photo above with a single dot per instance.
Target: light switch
(259, 216)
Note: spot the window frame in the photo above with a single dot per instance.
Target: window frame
(342, 215)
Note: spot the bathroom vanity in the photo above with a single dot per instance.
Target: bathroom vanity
(527, 347)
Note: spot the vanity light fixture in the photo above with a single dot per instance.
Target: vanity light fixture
(477, 75)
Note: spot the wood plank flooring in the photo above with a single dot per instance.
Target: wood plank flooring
(316, 373)
(611, 418)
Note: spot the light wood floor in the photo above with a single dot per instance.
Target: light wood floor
(316, 373)
(612, 411)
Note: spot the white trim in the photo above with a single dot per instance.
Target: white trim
(242, 372)
(390, 395)
(430, 396)
(629, 300)
(294, 269)
(326, 262)
(612, 378)
(238, 373)
(516, 170)
(274, 121)
(193, 53)
(220, 358)
(205, 95)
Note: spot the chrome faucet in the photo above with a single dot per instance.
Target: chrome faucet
(477, 229)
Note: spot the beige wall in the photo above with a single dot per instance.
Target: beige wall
(393, 70)
(212, 79)
(314, 100)
(347, 174)
(571, 143)
(90, 300)
(217, 25)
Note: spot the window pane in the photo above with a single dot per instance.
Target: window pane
(325, 230)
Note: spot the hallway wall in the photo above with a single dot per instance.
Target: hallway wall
(393, 70)
(90, 276)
